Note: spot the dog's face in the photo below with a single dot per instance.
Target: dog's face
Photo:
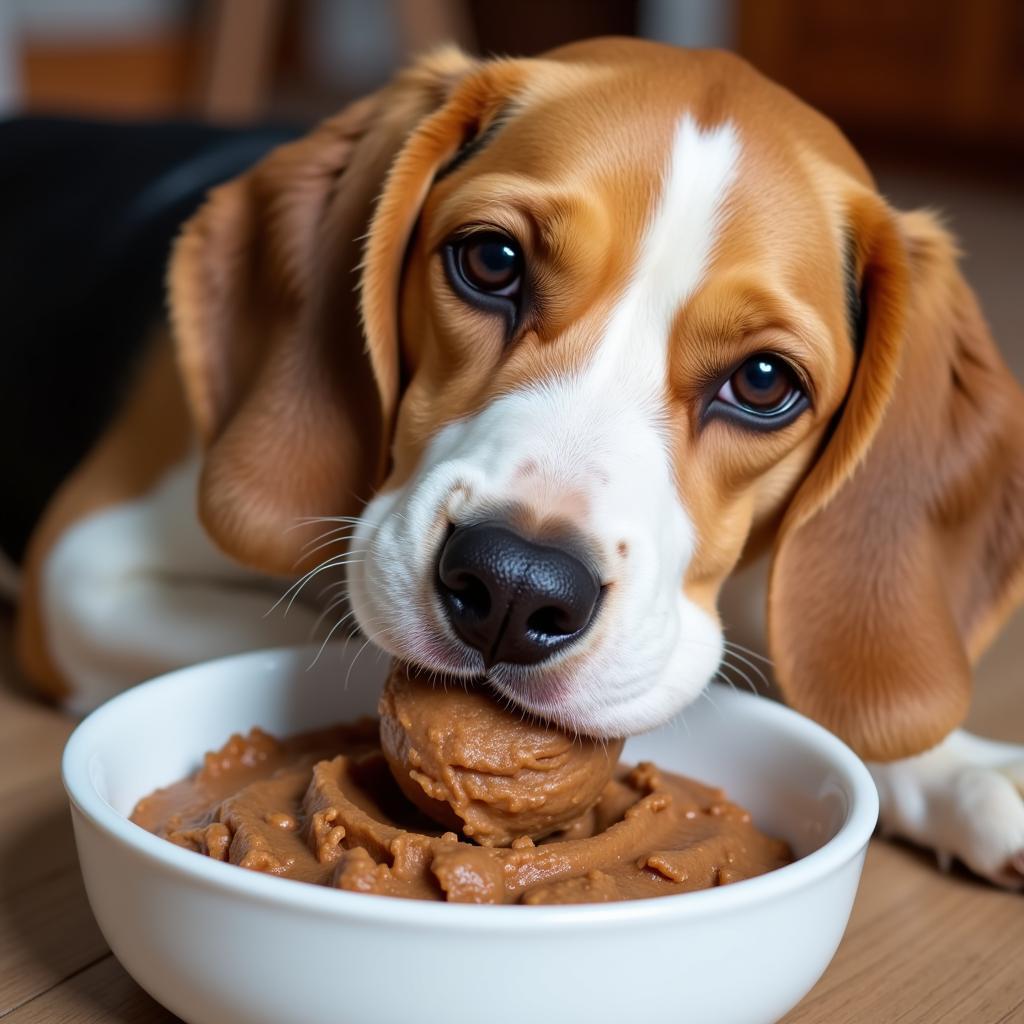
(623, 336)
(628, 311)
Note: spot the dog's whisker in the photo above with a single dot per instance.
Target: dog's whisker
(747, 650)
(751, 665)
(742, 674)
(325, 642)
(342, 535)
(718, 677)
(344, 528)
(334, 540)
(327, 611)
(374, 628)
(306, 520)
(304, 553)
(306, 576)
(330, 634)
(337, 562)
(348, 522)
(337, 584)
(726, 654)
(686, 725)
(352, 663)
(707, 696)
(293, 590)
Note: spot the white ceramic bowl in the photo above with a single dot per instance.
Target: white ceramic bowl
(215, 943)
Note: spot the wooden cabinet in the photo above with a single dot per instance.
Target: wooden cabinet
(921, 69)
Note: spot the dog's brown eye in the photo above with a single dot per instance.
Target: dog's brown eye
(490, 263)
(765, 385)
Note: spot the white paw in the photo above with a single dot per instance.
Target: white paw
(965, 800)
(988, 814)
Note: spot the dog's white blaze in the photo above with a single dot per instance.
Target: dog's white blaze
(674, 255)
(595, 447)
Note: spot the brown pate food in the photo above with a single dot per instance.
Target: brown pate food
(452, 797)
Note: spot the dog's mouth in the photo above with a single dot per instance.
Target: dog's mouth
(547, 697)
(545, 690)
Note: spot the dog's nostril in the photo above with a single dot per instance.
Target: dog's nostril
(471, 593)
(551, 622)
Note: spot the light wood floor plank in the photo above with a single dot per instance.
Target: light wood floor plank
(100, 994)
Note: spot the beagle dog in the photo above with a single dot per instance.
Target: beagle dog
(550, 347)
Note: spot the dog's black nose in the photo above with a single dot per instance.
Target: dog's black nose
(510, 598)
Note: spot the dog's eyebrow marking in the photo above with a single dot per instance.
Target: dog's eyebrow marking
(474, 144)
(856, 309)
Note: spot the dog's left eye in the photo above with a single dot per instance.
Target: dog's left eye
(764, 390)
(490, 263)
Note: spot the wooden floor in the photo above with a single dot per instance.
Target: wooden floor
(922, 948)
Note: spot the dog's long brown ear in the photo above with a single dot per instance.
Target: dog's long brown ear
(292, 400)
(904, 548)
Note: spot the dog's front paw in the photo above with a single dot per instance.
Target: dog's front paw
(987, 808)
(965, 800)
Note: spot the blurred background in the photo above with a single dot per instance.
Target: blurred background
(946, 76)
(931, 91)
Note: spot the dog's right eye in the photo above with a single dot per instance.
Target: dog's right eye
(490, 263)
(764, 392)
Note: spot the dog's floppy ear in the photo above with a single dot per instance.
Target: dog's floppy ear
(904, 548)
(293, 401)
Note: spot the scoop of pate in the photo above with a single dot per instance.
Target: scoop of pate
(478, 767)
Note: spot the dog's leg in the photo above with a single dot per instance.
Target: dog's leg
(138, 589)
(964, 799)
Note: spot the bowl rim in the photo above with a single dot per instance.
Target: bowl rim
(849, 841)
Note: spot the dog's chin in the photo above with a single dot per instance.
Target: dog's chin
(580, 715)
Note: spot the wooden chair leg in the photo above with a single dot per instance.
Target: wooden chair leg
(236, 58)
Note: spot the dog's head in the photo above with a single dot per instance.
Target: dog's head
(570, 335)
